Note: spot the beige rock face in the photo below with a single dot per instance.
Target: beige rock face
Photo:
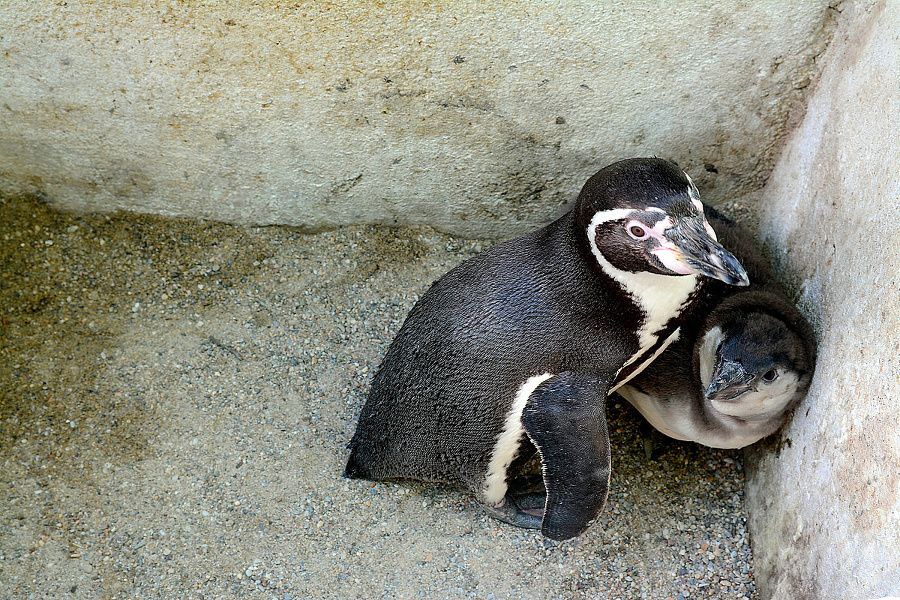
(477, 119)
(825, 510)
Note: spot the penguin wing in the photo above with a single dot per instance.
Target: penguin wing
(565, 419)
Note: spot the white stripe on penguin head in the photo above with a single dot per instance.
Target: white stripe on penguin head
(694, 195)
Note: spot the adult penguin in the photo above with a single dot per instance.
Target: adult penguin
(744, 359)
(518, 347)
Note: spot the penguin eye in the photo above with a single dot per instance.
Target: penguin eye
(636, 231)
(770, 375)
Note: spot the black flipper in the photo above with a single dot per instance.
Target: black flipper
(566, 420)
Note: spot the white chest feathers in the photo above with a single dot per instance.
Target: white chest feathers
(660, 297)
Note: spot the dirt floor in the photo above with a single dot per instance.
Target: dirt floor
(175, 400)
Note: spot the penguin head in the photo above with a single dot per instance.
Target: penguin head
(760, 369)
(645, 215)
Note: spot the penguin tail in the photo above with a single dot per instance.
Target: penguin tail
(354, 470)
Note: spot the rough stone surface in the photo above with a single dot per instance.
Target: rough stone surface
(478, 119)
(825, 503)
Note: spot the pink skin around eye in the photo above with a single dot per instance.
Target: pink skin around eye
(668, 256)
(666, 252)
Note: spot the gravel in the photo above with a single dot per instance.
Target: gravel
(175, 400)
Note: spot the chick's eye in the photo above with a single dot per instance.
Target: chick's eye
(637, 232)
(770, 375)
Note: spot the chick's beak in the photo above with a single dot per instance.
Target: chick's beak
(688, 248)
(729, 380)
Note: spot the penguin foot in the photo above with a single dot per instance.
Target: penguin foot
(533, 504)
(649, 437)
(649, 448)
(523, 511)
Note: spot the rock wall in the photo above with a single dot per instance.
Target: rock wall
(824, 503)
(478, 119)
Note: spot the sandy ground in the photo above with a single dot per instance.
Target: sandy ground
(175, 400)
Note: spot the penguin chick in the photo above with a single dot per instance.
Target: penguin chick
(744, 360)
(516, 349)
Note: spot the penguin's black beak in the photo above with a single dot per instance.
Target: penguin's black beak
(691, 247)
(729, 380)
